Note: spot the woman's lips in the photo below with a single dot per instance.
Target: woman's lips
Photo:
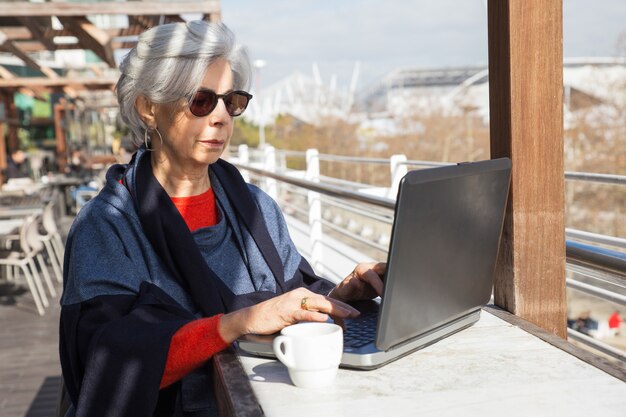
(212, 142)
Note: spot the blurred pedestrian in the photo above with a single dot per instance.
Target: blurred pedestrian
(615, 321)
(16, 165)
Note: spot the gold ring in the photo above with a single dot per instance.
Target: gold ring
(303, 303)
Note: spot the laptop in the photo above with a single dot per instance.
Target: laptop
(440, 266)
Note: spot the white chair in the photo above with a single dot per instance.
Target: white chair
(51, 239)
(34, 248)
(22, 259)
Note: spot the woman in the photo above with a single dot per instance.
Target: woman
(177, 257)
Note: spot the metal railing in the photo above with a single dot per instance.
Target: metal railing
(577, 253)
(605, 268)
(569, 175)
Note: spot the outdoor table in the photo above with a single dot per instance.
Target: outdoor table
(497, 366)
(17, 212)
(19, 206)
(10, 226)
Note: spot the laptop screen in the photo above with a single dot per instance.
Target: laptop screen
(443, 248)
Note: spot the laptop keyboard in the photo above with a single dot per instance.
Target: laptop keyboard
(360, 331)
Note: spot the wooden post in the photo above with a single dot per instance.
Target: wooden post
(3, 154)
(526, 113)
(12, 121)
(59, 132)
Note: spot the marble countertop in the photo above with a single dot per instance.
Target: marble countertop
(493, 367)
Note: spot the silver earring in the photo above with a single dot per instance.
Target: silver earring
(145, 138)
(159, 133)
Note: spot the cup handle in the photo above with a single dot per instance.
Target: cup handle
(279, 343)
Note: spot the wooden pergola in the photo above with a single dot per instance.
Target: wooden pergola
(27, 28)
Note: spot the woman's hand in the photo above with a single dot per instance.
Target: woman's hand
(272, 315)
(364, 283)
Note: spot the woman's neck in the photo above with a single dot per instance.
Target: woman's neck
(181, 182)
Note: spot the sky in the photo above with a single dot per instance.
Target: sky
(290, 35)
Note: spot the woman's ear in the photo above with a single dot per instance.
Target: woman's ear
(147, 111)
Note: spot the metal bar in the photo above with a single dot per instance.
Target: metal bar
(596, 291)
(332, 180)
(381, 211)
(597, 345)
(603, 277)
(332, 202)
(587, 256)
(596, 238)
(305, 213)
(296, 190)
(601, 258)
(354, 159)
(425, 163)
(324, 188)
(569, 175)
(355, 236)
(290, 153)
(329, 267)
(592, 177)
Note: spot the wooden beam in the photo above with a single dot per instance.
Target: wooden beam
(526, 113)
(174, 18)
(17, 33)
(144, 22)
(34, 82)
(113, 32)
(214, 17)
(10, 46)
(36, 46)
(147, 8)
(35, 93)
(8, 75)
(37, 28)
(90, 37)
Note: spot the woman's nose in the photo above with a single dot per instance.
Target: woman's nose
(219, 115)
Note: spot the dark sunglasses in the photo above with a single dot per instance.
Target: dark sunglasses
(205, 101)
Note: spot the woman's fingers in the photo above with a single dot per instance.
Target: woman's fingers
(374, 280)
(380, 268)
(328, 305)
(370, 274)
(297, 305)
(307, 315)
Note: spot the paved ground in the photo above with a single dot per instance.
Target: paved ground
(30, 372)
(29, 366)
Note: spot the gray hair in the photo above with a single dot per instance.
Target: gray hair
(169, 62)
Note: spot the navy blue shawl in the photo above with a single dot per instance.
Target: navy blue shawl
(114, 347)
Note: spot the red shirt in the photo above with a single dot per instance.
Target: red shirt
(198, 210)
(196, 342)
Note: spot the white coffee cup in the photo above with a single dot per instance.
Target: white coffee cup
(311, 352)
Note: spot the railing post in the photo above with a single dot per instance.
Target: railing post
(398, 170)
(282, 161)
(271, 185)
(244, 158)
(315, 210)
